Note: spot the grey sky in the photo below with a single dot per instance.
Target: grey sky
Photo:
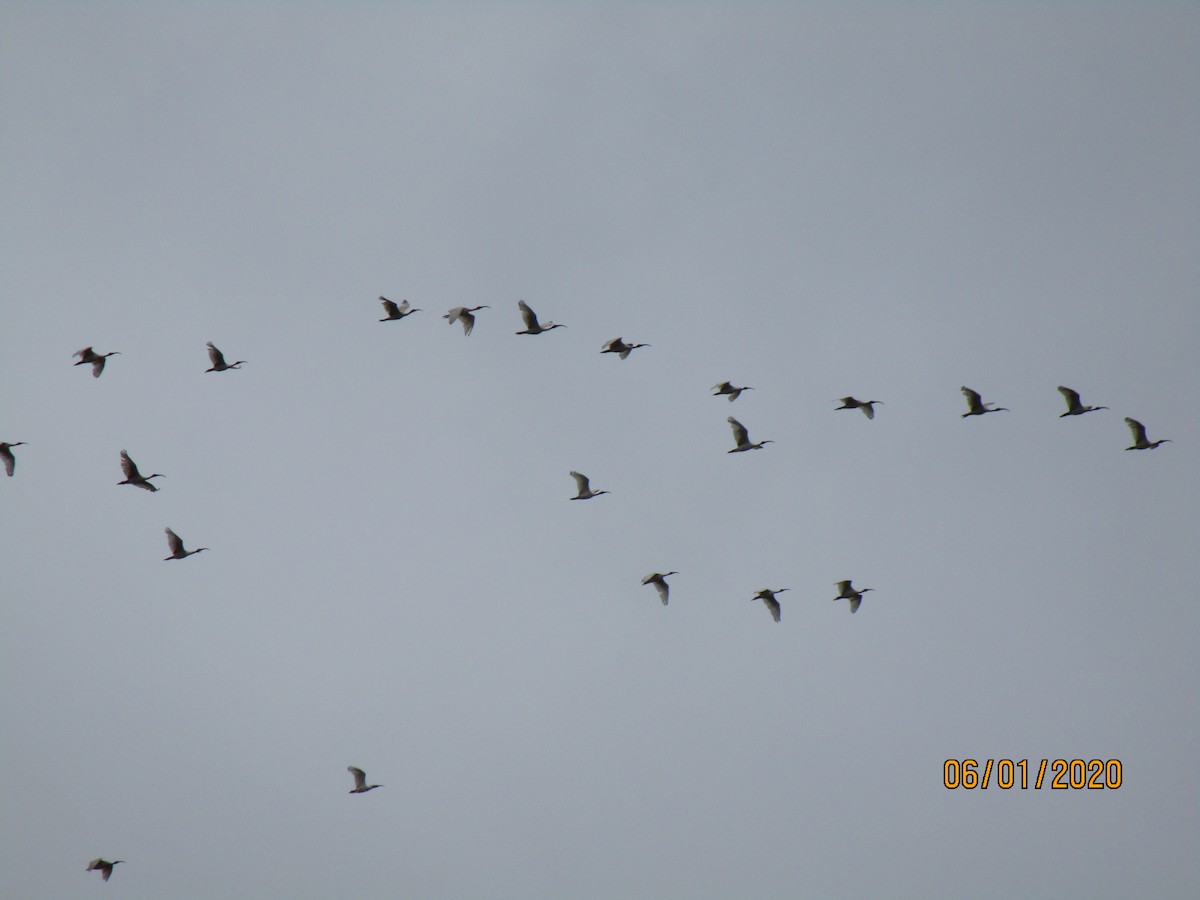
(884, 200)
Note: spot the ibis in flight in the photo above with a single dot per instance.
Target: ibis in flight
(175, 542)
(1074, 407)
(396, 311)
(659, 580)
(532, 325)
(976, 406)
(585, 489)
(1140, 442)
(767, 596)
(464, 314)
(218, 360)
(88, 355)
(616, 345)
(6, 454)
(867, 406)
(134, 477)
(360, 780)
(742, 437)
(726, 388)
(846, 591)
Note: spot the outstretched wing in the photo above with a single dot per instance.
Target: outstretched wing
(360, 777)
(129, 467)
(1071, 396)
(217, 357)
(974, 401)
(390, 308)
(10, 461)
(174, 542)
(740, 434)
(773, 606)
(581, 482)
(854, 602)
(843, 589)
(529, 316)
(1138, 429)
(84, 355)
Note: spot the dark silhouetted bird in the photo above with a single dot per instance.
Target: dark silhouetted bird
(87, 355)
(867, 406)
(134, 477)
(1074, 407)
(396, 311)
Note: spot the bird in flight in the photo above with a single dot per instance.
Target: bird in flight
(1140, 442)
(741, 437)
(396, 311)
(87, 355)
(585, 490)
(767, 596)
(616, 345)
(867, 406)
(726, 388)
(103, 866)
(532, 325)
(6, 454)
(976, 406)
(175, 542)
(1074, 407)
(846, 591)
(660, 584)
(134, 477)
(218, 360)
(360, 780)
(464, 314)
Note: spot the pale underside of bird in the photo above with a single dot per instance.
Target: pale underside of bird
(396, 311)
(103, 866)
(767, 596)
(217, 358)
(741, 437)
(659, 580)
(134, 477)
(867, 406)
(1140, 441)
(88, 355)
(1074, 406)
(976, 406)
(464, 314)
(532, 325)
(6, 454)
(846, 591)
(176, 545)
(585, 488)
(618, 346)
(726, 387)
(360, 781)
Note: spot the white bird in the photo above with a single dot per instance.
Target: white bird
(464, 314)
(360, 780)
(867, 406)
(532, 325)
(6, 454)
(726, 388)
(616, 345)
(976, 406)
(585, 490)
(175, 542)
(1074, 407)
(87, 355)
(218, 360)
(397, 311)
(846, 591)
(1140, 442)
(742, 437)
(103, 866)
(767, 596)
(134, 477)
(660, 584)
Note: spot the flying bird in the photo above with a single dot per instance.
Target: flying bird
(726, 388)
(6, 454)
(767, 596)
(465, 315)
(616, 345)
(846, 591)
(87, 355)
(103, 866)
(976, 406)
(1074, 407)
(396, 311)
(532, 325)
(742, 437)
(660, 584)
(360, 780)
(1140, 441)
(134, 477)
(176, 544)
(218, 360)
(585, 490)
(867, 406)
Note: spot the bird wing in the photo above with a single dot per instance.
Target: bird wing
(360, 777)
(530, 317)
(723, 388)
(1138, 429)
(10, 461)
(94, 864)
(868, 409)
(663, 589)
(582, 481)
(217, 357)
(454, 314)
(468, 320)
(390, 308)
(97, 366)
(1072, 396)
(843, 589)
(84, 354)
(854, 602)
(129, 467)
(973, 399)
(773, 606)
(174, 541)
(740, 434)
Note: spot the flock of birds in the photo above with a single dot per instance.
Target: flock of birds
(466, 316)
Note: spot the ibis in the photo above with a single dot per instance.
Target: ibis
(585, 489)
(846, 591)
(6, 454)
(218, 360)
(726, 388)
(867, 406)
(360, 780)
(176, 544)
(767, 596)
(134, 477)
(1074, 407)
(88, 355)
(742, 437)
(532, 325)
(1140, 442)
(396, 311)
(103, 866)
(976, 406)
(616, 345)
(464, 314)
(659, 580)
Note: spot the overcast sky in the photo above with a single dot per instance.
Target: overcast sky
(886, 200)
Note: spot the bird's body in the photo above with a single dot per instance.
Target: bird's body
(846, 591)
(103, 866)
(218, 360)
(976, 406)
(360, 781)
(88, 355)
(396, 311)
(464, 314)
(585, 489)
(767, 596)
(175, 542)
(1140, 441)
(1074, 407)
(6, 454)
(867, 406)
(532, 325)
(134, 477)
(618, 346)
(659, 580)
(741, 437)
(726, 388)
